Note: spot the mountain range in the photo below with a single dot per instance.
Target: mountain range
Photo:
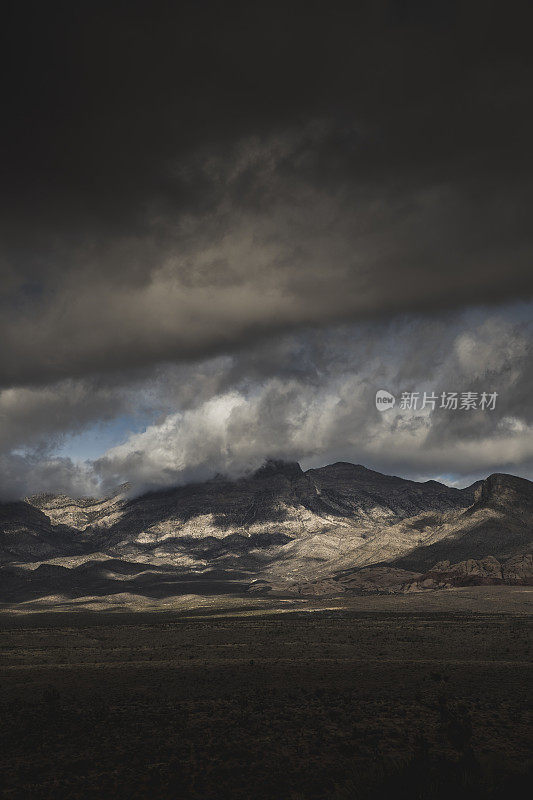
(339, 529)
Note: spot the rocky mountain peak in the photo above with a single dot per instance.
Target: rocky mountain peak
(276, 467)
(280, 525)
(501, 489)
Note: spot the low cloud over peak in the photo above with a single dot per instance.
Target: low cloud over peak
(220, 225)
(308, 397)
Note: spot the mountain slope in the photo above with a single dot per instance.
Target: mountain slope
(338, 528)
(489, 542)
(27, 534)
(499, 523)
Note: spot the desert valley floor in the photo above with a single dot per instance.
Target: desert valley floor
(421, 696)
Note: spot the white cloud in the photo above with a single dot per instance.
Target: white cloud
(306, 397)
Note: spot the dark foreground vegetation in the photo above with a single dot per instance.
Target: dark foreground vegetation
(283, 707)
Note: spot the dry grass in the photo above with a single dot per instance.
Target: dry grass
(282, 707)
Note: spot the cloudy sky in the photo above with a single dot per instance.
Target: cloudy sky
(225, 226)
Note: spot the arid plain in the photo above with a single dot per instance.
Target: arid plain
(414, 696)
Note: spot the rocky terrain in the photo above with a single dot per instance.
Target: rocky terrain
(340, 529)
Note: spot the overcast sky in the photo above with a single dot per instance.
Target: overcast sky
(224, 229)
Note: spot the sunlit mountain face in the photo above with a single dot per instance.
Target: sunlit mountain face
(266, 381)
(340, 530)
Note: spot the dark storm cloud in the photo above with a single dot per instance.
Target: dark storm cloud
(24, 475)
(181, 179)
(237, 222)
(35, 417)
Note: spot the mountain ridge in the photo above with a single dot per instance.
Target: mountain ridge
(280, 529)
